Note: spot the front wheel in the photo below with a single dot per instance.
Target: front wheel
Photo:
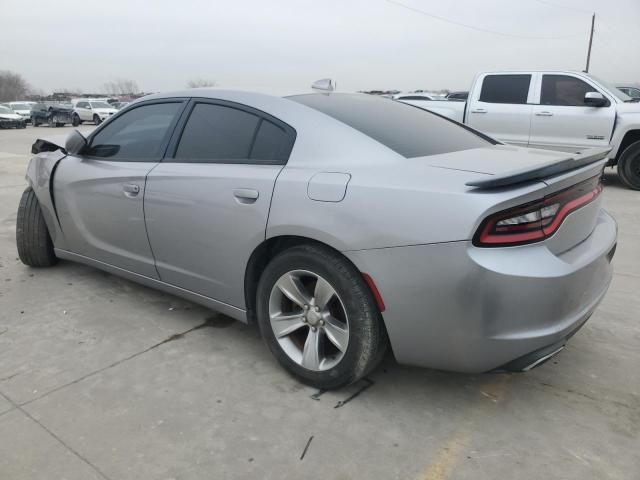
(319, 318)
(629, 166)
(75, 121)
(35, 247)
(96, 120)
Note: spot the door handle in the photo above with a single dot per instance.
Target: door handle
(131, 189)
(479, 110)
(544, 114)
(246, 195)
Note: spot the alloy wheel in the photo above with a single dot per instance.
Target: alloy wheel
(309, 320)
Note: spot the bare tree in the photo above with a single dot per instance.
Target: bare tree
(121, 86)
(13, 86)
(200, 82)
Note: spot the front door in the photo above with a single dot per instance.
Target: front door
(207, 203)
(562, 121)
(99, 195)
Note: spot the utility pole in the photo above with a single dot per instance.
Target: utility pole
(593, 22)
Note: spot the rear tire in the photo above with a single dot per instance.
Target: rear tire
(75, 120)
(629, 166)
(365, 341)
(96, 120)
(35, 247)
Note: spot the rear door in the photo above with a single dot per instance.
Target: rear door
(99, 195)
(84, 111)
(207, 203)
(500, 107)
(562, 121)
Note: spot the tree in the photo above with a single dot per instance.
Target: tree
(200, 82)
(13, 86)
(121, 86)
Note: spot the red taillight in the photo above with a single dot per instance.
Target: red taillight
(537, 220)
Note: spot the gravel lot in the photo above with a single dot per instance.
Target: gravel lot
(103, 379)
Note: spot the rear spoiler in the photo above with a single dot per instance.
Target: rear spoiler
(577, 160)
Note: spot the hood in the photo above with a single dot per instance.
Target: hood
(22, 111)
(10, 116)
(628, 107)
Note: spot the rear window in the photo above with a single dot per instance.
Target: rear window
(513, 89)
(408, 130)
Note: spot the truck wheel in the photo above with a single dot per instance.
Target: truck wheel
(96, 120)
(319, 318)
(35, 247)
(629, 166)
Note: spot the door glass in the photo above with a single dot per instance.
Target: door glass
(563, 90)
(136, 135)
(513, 89)
(217, 133)
(272, 143)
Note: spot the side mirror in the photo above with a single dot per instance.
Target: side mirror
(75, 143)
(594, 99)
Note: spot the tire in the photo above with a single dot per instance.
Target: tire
(50, 121)
(34, 122)
(96, 120)
(629, 166)
(75, 121)
(35, 247)
(366, 339)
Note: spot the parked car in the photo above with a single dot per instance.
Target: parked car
(559, 110)
(10, 119)
(338, 222)
(633, 92)
(457, 96)
(91, 111)
(120, 105)
(413, 98)
(54, 115)
(23, 109)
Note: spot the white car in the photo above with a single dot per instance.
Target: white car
(95, 111)
(555, 110)
(23, 109)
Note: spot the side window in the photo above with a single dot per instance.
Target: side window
(222, 134)
(272, 143)
(512, 89)
(136, 135)
(82, 105)
(563, 90)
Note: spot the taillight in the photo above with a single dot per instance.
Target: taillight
(537, 220)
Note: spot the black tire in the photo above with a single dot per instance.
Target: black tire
(34, 122)
(96, 120)
(629, 166)
(59, 124)
(75, 121)
(367, 336)
(35, 247)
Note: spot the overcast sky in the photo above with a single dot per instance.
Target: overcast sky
(290, 43)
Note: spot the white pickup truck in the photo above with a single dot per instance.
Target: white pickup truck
(558, 110)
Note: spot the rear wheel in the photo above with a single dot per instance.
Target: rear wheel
(629, 166)
(319, 318)
(35, 247)
(96, 120)
(75, 121)
(34, 122)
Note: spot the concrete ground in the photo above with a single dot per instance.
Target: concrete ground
(103, 379)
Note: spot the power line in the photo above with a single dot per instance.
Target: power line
(567, 7)
(473, 27)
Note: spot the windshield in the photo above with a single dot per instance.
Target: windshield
(21, 106)
(5, 110)
(100, 105)
(613, 90)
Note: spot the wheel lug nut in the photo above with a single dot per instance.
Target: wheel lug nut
(306, 307)
(321, 322)
(313, 329)
(317, 309)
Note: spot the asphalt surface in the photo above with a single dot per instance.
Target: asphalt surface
(103, 379)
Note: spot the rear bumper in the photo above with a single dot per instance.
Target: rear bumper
(453, 306)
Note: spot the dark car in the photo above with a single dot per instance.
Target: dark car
(55, 115)
(457, 96)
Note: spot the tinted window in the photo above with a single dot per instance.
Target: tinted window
(136, 135)
(564, 90)
(272, 143)
(408, 130)
(505, 89)
(215, 132)
(414, 97)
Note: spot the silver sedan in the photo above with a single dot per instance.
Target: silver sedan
(340, 223)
